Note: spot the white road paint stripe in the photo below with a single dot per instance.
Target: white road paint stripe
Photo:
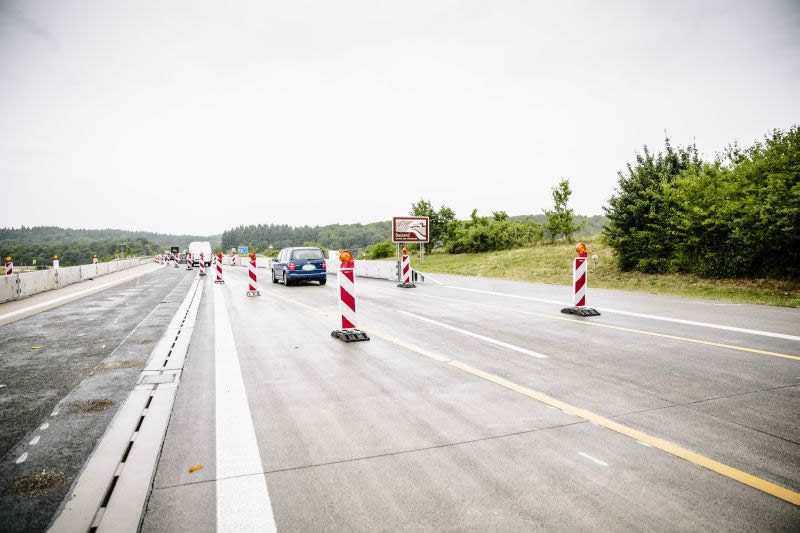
(475, 335)
(44, 426)
(35, 440)
(643, 315)
(21, 459)
(74, 295)
(593, 459)
(243, 502)
(644, 444)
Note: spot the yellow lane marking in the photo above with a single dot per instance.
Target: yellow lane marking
(609, 326)
(673, 449)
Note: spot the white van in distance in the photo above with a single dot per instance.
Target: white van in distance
(200, 246)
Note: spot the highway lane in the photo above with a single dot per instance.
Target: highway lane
(57, 400)
(416, 429)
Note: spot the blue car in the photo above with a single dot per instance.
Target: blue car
(299, 264)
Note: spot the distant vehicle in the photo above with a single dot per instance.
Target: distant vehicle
(299, 264)
(195, 248)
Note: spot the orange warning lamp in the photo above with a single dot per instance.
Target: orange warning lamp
(55, 257)
(8, 259)
(580, 248)
(405, 250)
(345, 256)
(252, 255)
(219, 254)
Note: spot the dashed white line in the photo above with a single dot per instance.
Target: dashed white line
(593, 459)
(35, 440)
(21, 459)
(475, 335)
(644, 444)
(44, 426)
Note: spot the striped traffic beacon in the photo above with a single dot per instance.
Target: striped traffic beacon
(251, 272)
(9, 266)
(347, 301)
(94, 259)
(219, 268)
(405, 271)
(202, 264)
(188, 260)
(55, 261)
(580, 284)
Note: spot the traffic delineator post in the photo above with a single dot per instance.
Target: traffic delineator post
(580, 284)
(94, 259)
(202, 264)
(9, 266)
(405, 271)
(188, 260)
(252, 289)
(219, 268)
(55, 261)
(347, 301)
(234, 258)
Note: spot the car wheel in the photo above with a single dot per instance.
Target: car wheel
(274, 279)
(285, 279)
(323, 281)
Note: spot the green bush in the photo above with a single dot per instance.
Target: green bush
(380, 250)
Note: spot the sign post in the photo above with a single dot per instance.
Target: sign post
(410, 229)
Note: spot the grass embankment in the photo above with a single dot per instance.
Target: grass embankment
(550, 263)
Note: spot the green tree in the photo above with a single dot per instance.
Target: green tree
(441, 221)
(561, 219)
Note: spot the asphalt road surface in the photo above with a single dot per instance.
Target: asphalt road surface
(475, 406)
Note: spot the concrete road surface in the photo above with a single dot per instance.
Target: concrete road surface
(475, 406)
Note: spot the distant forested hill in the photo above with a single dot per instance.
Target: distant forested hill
(77, 246)
(262, 236)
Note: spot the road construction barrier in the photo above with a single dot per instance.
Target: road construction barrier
(55, 261)
(219, 268)
(20, 285)
(9, 267)
(202, 264)
(405, 271)
(189, 260)
(94, 259)
(251, 273)
(580, 284)
(347, 301)
(234, 259)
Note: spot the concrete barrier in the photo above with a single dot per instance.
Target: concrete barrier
(22, 285)
(367, 268)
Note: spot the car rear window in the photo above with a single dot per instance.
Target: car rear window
(307, 255)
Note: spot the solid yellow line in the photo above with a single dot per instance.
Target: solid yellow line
(620, 328)
(673, 449)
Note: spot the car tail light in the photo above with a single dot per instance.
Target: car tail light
(324, 266)
(291, 266)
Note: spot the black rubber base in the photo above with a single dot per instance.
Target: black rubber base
(581, 311)
(253, 293)
(350, 335)
(407, 285)
(202, 274)
(219, 281)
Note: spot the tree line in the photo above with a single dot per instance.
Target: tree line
(737, 215)
(261, 237)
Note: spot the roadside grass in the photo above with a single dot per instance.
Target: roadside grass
(551, 263)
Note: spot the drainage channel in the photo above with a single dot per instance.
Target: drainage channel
(112, 489)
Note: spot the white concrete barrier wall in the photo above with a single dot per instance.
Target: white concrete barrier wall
(366, 268)
(27, 284)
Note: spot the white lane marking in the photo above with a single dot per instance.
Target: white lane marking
(74, 295)
(44, 426)
(21, 459)
(644, 444)
(243, 502)
(475, 335)
(428, 277)
(35, 440)
(593, 459)
(643, 315)
(2, 385)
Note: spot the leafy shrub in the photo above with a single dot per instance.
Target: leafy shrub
(380, 250)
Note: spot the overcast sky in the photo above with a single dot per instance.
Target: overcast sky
(195, 116)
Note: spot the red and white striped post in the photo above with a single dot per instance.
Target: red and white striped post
(579, 284)
(188, 260)
(405, 271)
(94, 259)
(219, 268)
(234, 258)
(9, 266)
(202, 264)
(55, 261)
(251, 273)
(347, 301)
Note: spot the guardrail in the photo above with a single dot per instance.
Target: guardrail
(24, 284)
